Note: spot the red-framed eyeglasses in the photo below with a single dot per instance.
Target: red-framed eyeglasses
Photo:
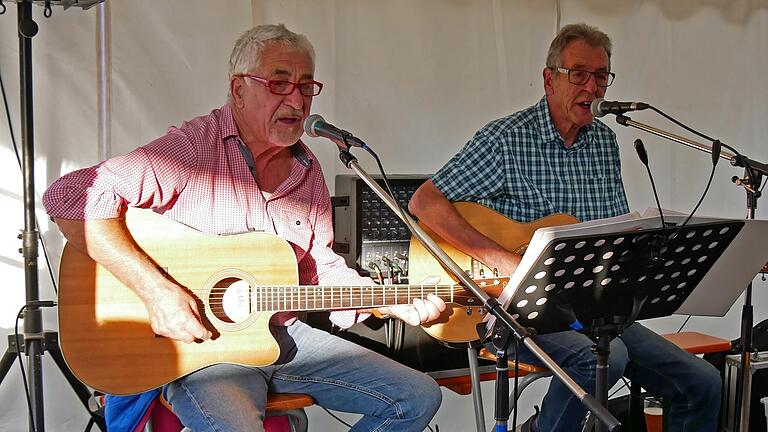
(284, 88)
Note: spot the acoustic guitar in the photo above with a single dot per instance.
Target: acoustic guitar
(240, 282)
(458, 322)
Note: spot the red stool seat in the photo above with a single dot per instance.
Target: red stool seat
(284, 412)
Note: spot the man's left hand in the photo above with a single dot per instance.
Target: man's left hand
(420, 311)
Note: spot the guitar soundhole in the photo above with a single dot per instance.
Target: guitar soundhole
(230, 300)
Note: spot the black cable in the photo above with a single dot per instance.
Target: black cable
(336, 417)
(18, 159)
(10, 123)
(691, 130)
(684, 323)
(20, 347)
(384, 176)
(21, 365)
(738, 156)
(685, 222)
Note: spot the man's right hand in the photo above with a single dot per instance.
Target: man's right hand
(172, 311)
(174, 314)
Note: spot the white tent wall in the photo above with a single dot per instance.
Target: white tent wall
(414, 79)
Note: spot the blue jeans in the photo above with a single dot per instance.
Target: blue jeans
(338, 374)
(690, 385)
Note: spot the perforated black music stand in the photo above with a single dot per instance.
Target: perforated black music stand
(600, 284)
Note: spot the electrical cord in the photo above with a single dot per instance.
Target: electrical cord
(703, 195)
(716, 143)
(20, 347)
(683, 324)
(336, 417)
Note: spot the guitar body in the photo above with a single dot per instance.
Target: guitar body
(104, 328)
(457, 323)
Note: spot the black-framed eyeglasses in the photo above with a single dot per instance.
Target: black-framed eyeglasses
(284, 88)
(581, 77)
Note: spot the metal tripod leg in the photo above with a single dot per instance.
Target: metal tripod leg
(50, 343)
(8, 358)
(477, 397)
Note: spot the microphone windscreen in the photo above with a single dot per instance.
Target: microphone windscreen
(310, 122)
(641, 153)
(595, 107)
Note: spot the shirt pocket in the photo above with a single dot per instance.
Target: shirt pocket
(294, 227)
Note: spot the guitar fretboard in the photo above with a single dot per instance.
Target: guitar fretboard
(307, 298)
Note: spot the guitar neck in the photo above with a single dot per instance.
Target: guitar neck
(312, 298)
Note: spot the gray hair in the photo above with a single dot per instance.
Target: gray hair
(246, 55)
(571, 32)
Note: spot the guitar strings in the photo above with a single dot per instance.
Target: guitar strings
(276, 298)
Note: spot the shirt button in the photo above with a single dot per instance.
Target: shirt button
(298, 222)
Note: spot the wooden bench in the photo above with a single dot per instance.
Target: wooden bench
(694, 343)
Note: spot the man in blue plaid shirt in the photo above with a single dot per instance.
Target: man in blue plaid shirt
(554, 157)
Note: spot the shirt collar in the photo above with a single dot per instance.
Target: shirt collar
(550, 134)
(229, 130)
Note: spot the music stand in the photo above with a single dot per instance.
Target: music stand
(35, 341)
(599, 284)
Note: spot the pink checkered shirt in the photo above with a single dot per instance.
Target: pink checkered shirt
(196, 174)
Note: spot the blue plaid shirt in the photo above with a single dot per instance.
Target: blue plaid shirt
(519, 166)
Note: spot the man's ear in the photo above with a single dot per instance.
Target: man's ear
(236, 89)
(548, 76)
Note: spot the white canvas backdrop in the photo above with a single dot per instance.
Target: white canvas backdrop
(414, 79)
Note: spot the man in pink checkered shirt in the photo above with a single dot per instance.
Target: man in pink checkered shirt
(242, 168)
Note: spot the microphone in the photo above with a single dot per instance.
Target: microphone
(316, 126)
(601, 107)
(643, 155)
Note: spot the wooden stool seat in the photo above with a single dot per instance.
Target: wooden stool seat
(522, 367)
(287, 401)
(698, 343)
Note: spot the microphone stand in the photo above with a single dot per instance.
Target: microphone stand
(505, 324)
(753, 175)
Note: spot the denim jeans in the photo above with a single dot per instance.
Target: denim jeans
(338, 374)
(690, 385)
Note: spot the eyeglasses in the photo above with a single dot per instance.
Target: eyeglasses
(581, 77)
(284, 88)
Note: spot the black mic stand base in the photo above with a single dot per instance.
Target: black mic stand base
(49, 341)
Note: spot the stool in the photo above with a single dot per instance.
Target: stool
(694, 343)
(288, 405)
(459, 384)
